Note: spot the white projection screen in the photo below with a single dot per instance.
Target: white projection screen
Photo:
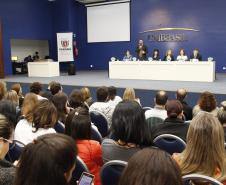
(108, 22)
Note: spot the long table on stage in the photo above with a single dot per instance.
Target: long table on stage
(161, 70)
(43, 69)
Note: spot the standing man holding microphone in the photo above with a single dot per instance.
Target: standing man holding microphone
(141, 51)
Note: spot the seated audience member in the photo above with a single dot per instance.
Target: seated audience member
(36, 88)
(102, 105)
(88, 150)
(47, 93)
(49, 160)
(76, 99)
(113, 99)
(204, 153)
(174, 123)
(129, 94)
(128, 56)
(8, 109)
(87, 98)
(156, 55)
(187, 110)
(17, 87)
(60, 100)
(7, 170)
(13, 97)
(207, 102)
(55, 88)
(129, 130)
(151, 167)
(3, 89)
(169, 55)
(182, 56)
(222, 117)
(196, 55)
(159, 110)
(41, 121)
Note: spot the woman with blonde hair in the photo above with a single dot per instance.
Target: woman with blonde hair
(87, 98)
(3, 89)
(129, 94)
(205, 152)
(12, 96)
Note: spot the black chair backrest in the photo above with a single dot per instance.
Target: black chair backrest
(111, 172)
(15, 150)
(153, 122)
(169, 143)
(146, 108)
(100, 122)
(200, 178)
(80, 167)
(95, 135)
(59, 127)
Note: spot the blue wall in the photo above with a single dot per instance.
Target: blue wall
(207, 16)
(40, 19)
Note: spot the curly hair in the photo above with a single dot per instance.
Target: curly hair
(207, 101)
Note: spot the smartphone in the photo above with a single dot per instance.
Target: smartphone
(86, 179)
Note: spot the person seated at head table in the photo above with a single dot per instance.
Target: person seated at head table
(128, 56)
(169, 55)
(182, 56)
(156, 55)
(196, 55)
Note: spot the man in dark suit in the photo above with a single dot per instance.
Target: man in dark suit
(196, 55)
(174, 123)
(141, 51)
(181, 95)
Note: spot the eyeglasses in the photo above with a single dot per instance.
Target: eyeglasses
(6, 140)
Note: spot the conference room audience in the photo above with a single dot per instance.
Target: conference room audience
(17, 87)
(196, 55)
(3, 89)
(88, 150)
(174, 123)
(156, 55)
(87, 98)
(49, 160)
(128, 56)
(36, 88)
(101, 105)
(182, 56)
(159, 110)
(7, 169)
(60, 100)
(40, 121)
(8, 109)
(141, 51)
(205, 152)
(169, 55)
(76, 99)
(129, 94)
(221, 115)
(181, 94)
(207, 102)
(129, 130)
(151, 167)
(113, 99)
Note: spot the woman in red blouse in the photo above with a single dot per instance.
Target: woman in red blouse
(78, 126)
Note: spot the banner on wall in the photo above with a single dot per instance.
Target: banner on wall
(65, 47)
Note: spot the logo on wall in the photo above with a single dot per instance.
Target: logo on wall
(64, 43)
(154, 36)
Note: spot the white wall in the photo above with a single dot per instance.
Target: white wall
(23, 48)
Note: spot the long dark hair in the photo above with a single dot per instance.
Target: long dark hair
(46, 160)
(151, 167)
(129, 125)
(78, 124)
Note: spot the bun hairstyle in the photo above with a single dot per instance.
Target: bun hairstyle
(174, 108)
